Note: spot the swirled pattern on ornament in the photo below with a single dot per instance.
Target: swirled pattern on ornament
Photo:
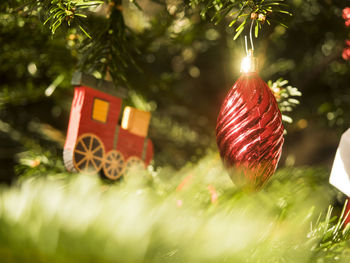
(249, 131)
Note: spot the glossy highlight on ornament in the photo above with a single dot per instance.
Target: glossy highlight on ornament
(249, 131)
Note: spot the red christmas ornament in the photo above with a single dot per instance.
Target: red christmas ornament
(346, 13)
(346, 50)
(249, 130)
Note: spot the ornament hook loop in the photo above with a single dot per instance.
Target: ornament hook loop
(249, 63)
(250, 37)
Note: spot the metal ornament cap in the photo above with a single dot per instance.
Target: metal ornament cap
(249, 63)
(249, 131)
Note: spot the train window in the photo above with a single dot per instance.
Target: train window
(100, 110)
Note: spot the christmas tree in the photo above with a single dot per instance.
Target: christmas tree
(177, 60)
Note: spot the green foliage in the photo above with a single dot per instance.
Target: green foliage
(285, 96)
(100, 49)
(193, 215)
(319, 73)
(242, 12)
(59, 11)
(36, 163)
(332, 233)
(111, 49)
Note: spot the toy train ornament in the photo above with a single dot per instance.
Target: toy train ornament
(95, 141)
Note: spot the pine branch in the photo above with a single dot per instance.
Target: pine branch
(112, 47)
(58, 12)
(243, 11)
(285, 96)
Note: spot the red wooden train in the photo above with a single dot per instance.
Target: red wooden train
(95, 141)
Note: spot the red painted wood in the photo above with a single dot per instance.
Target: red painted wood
(130, 144)
(105, 131)
(81, 122)
(149, 152)
(74, 119)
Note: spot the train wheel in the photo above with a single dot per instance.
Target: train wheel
(113, 165)
(88, 153)
(134, 163)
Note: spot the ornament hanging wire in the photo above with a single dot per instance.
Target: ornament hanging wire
(250, 37)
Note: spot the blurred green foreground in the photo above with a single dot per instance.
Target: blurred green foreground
(193, 215)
